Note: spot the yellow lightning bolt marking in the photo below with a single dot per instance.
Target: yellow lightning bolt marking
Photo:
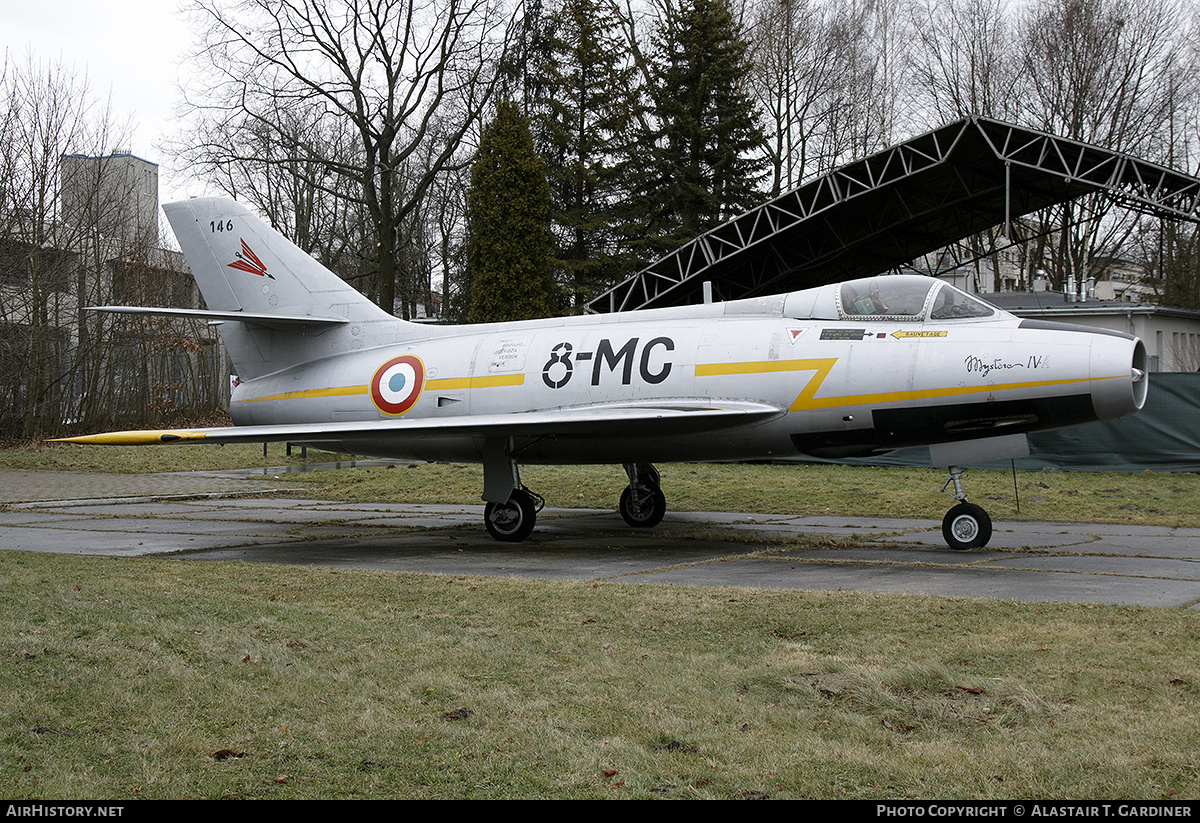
(807, 399)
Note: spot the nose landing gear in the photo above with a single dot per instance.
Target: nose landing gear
(965, 526)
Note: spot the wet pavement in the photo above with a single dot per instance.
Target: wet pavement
(243, 516)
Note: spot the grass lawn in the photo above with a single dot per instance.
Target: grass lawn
(159, 678)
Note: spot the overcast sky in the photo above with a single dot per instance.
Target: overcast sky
(130, 51)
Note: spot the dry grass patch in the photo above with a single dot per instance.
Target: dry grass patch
(152, 678)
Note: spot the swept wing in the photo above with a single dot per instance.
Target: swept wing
(591, 421)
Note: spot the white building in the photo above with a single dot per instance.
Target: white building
(1116, 300)
(1172, 336)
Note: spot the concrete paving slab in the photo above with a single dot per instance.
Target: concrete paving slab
(1125, 567)
(24, 487)
(109, 543)
(1103, 563)
(456, 553)
(156, 525)
(909, 555)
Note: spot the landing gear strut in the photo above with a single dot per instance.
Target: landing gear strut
(642, 503)
(511, 510)
(965, 526)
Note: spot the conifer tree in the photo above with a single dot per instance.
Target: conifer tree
(509, 244)
(704, 159)
(584, 115)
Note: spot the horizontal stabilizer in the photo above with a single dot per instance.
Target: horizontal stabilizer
(587, 421)
(274, 321)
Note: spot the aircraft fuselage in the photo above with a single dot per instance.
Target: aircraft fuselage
(844, 387)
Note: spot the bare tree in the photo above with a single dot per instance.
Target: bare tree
(962, 62)
(49, 112)
(795, 83)
(1102, 72)
(283, 170)
(870, 38)
(78, 221)
(409, 77)
(1109, 72)
(830, 78)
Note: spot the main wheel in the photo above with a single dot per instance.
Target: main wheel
(644, 508)
(513, 521)
(966, 526)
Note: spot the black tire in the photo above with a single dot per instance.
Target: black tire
(646, 510)
(966, 526)
(513, 521)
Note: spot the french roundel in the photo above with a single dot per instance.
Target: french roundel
(397, 384)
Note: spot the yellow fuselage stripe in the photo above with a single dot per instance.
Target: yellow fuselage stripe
(304, 394)
(439, 384)
(806, 399)
(491, 381)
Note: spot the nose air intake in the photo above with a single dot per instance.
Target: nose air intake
(1138, 375)
(1119, 381)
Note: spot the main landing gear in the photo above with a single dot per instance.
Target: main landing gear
(965, 526)
(513, 520)
(642, 506)
(642, 503)
(511, 510)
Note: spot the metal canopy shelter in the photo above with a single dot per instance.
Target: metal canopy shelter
(889, 209)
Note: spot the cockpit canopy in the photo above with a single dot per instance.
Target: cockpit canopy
(903, 298)
(907, 298)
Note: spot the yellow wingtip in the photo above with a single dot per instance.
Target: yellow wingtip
(133, 438)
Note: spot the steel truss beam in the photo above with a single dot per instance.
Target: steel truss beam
(889, 209)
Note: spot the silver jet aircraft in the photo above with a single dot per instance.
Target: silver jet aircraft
(849, 369)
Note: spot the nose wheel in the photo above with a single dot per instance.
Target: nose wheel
(965, 526)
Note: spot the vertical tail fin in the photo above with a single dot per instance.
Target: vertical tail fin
(244, 266)
(241, 264)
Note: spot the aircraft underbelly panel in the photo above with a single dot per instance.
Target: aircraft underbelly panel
(896, 428)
